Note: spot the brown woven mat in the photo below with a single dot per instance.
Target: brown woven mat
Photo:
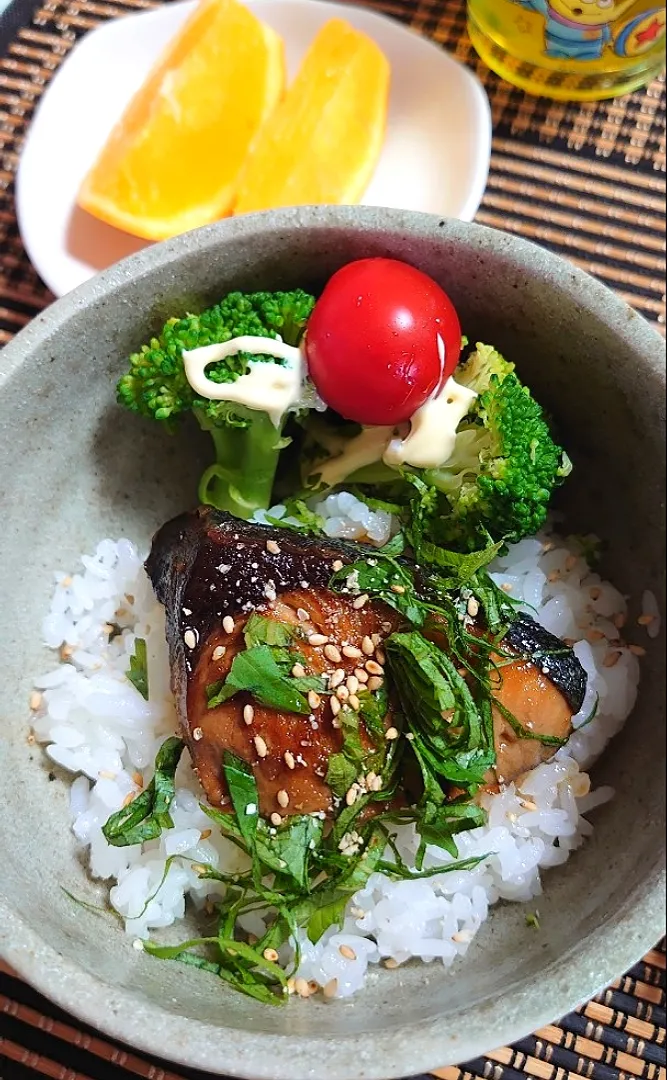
(587, 181)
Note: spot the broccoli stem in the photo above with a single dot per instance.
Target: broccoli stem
(246, 458)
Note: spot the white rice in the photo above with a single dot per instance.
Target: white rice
(96, 725)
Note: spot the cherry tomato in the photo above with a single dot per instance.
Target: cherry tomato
(382, 338)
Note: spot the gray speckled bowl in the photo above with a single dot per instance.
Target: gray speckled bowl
(75, 468)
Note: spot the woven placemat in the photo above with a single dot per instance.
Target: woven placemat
(620, 1035)
(587, 181)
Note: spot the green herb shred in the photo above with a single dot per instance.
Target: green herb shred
(138, 670)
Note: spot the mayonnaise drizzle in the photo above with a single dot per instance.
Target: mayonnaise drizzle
(270, 388)
(277, 388)
(430, 441)
(364, 449)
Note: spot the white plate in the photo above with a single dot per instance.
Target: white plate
(435, 156)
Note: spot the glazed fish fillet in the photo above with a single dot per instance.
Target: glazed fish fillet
(212, 572)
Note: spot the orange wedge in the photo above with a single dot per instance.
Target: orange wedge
(323, 141)
(173, 160)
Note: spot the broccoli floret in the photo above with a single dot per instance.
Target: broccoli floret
(505, 464)
(246, 442)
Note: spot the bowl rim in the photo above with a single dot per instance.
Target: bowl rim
(605, 954)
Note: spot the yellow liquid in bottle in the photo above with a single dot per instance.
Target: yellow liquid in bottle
(575, 50)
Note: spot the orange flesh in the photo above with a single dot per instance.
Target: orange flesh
(324, 140)
(172, 162)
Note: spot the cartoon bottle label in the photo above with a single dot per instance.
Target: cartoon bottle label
(610, 45)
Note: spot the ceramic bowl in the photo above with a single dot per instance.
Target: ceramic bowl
(75, 468)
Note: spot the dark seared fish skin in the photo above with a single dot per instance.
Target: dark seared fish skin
(206, 566)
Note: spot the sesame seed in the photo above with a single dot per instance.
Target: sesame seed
(646, 620)
(506, 587)
(205, 835)
(138, 779)
(342, 693)
(66, 652)
(595, 635)
(331, 988)
(128, 799)
(637, 650)
(391, 734)
(302, 615)
(398, 589)
(332, 653)
(375, 683)
(553, 576)
(290, 987)
(380, 656)
(219, 652)
(390, 963)
(337, 565)
(352, 652)
(228, 624)
(318, 639)
(571, 562)
(248, 714)
(272, 547)
(410, 737)
(351, 795)
(352, 683)
(269, 592)
(473, 607)
(283, 798)
(260, 746)
(462, 937)
(595, 593)
(611, 659)
(376, 639)
(138, 944)
(313, 986)
(347, 952)
(373, 668)
(353, 702)
(35, 700)
(335, 705)
(107, 774)
(360, 601)
(276, 819)
(528, 804)
(31, 739)
(198, 734)
(367, 646)
(301, 987)
(314, 700)
(619, 620)
(361, 675)
(270, 954)
(298, 671)
(336, 678)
